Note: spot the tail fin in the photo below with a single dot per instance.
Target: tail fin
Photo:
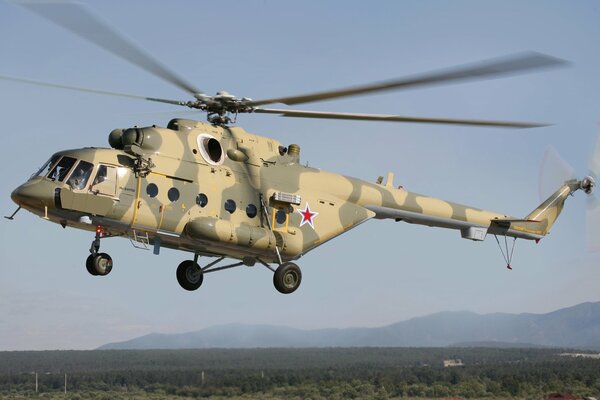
(545, 214)
(538, 223)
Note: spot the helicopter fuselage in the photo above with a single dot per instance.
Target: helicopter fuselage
(222, 191)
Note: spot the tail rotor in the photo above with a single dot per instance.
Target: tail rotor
(555, 171)
(593, 203)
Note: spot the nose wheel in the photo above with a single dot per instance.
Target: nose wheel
(98, 264)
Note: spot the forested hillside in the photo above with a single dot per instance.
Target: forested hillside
(299, 373)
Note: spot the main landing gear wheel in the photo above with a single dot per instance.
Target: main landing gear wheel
(99, 264)
(287, 278)
(189, 275)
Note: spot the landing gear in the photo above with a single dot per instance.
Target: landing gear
(287, 278)
(98, 264)
(189, 275)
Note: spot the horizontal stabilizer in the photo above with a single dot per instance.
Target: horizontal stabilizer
(521, 228)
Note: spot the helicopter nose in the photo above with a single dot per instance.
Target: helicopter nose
(34, 195)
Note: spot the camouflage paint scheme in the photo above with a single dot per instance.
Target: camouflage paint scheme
(249, 171)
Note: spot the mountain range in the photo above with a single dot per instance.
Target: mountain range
(572, 327)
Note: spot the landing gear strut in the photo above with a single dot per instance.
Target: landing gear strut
(98, 264)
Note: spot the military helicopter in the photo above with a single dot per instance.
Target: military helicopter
(216, 190)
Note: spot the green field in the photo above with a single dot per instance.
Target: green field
(331, 373)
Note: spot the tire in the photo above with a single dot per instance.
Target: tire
(287, 278)
(189, 275)
(89, 265)
(102, 264)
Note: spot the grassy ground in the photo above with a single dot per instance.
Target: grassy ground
(156, 396)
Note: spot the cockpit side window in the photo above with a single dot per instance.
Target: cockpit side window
(105, 181)
(81, 175)
(60, 170)
(101, 175)
(46, 168)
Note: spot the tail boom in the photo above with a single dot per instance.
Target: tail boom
(475, 224)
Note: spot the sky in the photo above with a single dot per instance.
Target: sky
(377, 274)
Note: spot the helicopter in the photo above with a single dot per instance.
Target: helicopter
(215, 190)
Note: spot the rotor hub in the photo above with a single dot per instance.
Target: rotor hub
(220, 106)
(587, 184)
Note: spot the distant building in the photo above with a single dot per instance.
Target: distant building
(457, 362)
(595, 356)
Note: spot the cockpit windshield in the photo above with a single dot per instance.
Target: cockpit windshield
(46, 167)
(60, 170)
(59, 167)
(81, 175)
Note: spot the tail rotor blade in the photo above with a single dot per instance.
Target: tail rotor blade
(592, 219)
(554, 171)
(593, 224)
(594, 163)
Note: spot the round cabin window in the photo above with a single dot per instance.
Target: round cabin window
(251, 211)
(173, 194)
(202, 200)
(280, 217)
(210, 149)
(152, 190)
(230, 206)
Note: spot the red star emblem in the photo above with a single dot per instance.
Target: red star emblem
(307, 216)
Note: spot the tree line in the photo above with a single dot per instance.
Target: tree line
(304, 373)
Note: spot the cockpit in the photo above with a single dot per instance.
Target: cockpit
(75, 173)
(67, 178)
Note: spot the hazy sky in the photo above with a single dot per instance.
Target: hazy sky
(377, 274)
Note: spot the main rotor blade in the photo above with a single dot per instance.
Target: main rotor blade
(494, 68)
(395, 118)
(95, 91)
(80, 20)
